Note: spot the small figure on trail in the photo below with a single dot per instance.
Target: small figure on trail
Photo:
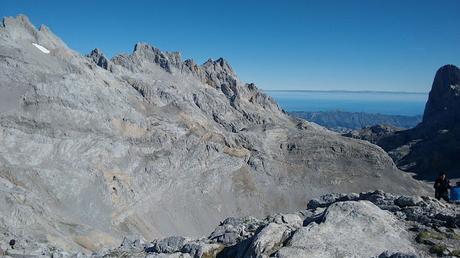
(441, 186)
(12, 243)
(455, 193)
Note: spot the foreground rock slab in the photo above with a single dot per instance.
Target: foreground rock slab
(350, 229)
(369, 224)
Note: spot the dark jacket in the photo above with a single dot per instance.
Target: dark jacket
(441, 185)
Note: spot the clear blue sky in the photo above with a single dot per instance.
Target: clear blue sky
(343, 45)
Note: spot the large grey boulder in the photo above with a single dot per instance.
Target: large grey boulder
(349, 229)
(405, 201)
(268, 240)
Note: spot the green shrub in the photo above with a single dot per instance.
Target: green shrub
(438, 249)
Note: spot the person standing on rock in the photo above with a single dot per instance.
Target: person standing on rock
(12, 243)
(441, 187)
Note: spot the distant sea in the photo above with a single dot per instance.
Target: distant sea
(388, 103)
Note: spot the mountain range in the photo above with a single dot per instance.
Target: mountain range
(94, 149)
(342, 121)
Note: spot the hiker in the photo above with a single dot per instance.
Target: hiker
(455, 193)
(12, 243)
(441, 186)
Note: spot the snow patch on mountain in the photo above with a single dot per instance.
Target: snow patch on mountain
(41, 48)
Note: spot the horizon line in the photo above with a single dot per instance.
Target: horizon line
(350, 91)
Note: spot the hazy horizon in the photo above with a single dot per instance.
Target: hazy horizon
(300, 45)
(350, 91)
(371, 102)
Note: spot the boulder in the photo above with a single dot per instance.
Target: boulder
(167, 245)
(353, 229)
(268, 240)
(198, 249)
(387, 254)
(292, 220)
(405, 201)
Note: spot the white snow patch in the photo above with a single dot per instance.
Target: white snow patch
(41, 48)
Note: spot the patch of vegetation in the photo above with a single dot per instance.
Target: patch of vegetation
(426, 236)
(455, 253)
(453, 236)
(438, 249)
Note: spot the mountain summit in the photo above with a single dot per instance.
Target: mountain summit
(443, 106)
(92, 149)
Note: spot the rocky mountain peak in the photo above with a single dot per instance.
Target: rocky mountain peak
(20, 20)
(21, 29)
(443, 106)
(220, 65)
(150, 53)
(99, 58)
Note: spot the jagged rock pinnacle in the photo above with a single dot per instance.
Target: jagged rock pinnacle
(443, 106)
(98, 57)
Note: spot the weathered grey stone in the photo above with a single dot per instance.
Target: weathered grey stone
(268, 240)
(292, 220)
(167, 245)
(200, 249)
(174, 255)
(405, 201)
(353, 229)
(60, 255)
(387, 254)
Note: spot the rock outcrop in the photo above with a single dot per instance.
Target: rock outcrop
(434, 144)
(373, 133)
(146, 144)
(99, 58)
(369, 224)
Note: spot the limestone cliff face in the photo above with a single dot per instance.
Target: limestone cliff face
(442, 110)
(93, 149)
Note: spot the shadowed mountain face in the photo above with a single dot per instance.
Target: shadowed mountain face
(433, 145)
(92, 149)
(442, 110)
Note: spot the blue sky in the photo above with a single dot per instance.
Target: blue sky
(393, 45)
